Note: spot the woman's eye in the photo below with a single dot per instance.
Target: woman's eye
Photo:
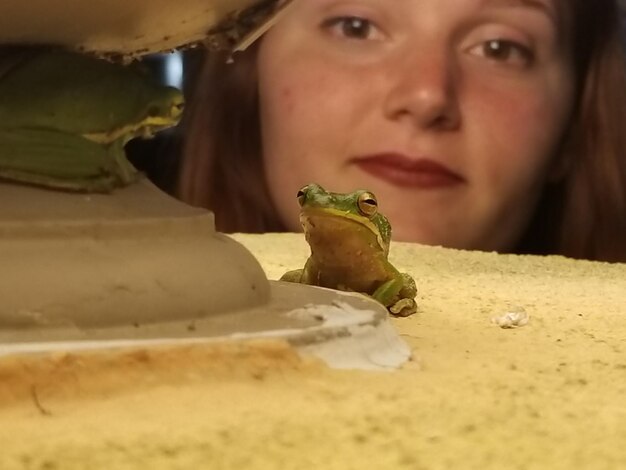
(501, 50)
(352, 27)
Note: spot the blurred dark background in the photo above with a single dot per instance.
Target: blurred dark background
(158, 157)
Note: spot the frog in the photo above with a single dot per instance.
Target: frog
(65, 117)
(349, 239)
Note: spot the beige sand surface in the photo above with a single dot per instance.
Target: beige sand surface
(548, 395)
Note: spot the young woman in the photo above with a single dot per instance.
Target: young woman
(483, 124)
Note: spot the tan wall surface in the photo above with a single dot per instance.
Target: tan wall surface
(551, 394)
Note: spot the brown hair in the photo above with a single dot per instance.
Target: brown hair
(583, 215)
(222, 166)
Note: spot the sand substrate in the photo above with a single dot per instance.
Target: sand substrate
(550, 394)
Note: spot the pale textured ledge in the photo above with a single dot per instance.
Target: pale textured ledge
(548, 395)
(113, 26)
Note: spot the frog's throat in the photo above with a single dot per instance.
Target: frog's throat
(336, 213)
(145, 128)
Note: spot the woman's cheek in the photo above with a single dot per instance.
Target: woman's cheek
(526, 119)
(293, 98)
(286, 100)
(519, 132)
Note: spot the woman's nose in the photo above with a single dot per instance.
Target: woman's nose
(423, 88)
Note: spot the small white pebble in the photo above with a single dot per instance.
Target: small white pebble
(513, 318)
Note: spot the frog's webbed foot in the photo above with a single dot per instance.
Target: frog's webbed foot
(292, 276)
(406, 304)
(403, 308)
(398, 295)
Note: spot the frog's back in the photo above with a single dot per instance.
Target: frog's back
(69, 92)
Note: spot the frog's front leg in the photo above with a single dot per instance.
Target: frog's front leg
(292, 276)
(307, 275)
(124, 170)
(398, 295)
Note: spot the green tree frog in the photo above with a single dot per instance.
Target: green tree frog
(349, 240)
(65, 118)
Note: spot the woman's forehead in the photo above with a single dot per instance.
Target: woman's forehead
(557, 10)
(552, 7)
(545, 5)
(560, 12)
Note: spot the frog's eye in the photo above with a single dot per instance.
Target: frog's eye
(301, 196)
(368, 205)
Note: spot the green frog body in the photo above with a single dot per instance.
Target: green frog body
(65, 118)
(349, 240)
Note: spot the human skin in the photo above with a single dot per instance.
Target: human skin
(479, 93)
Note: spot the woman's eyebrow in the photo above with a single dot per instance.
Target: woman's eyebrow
(540, 5)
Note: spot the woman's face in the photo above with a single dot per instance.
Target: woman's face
(449, 111)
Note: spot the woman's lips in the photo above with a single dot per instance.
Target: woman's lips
(403, 171)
